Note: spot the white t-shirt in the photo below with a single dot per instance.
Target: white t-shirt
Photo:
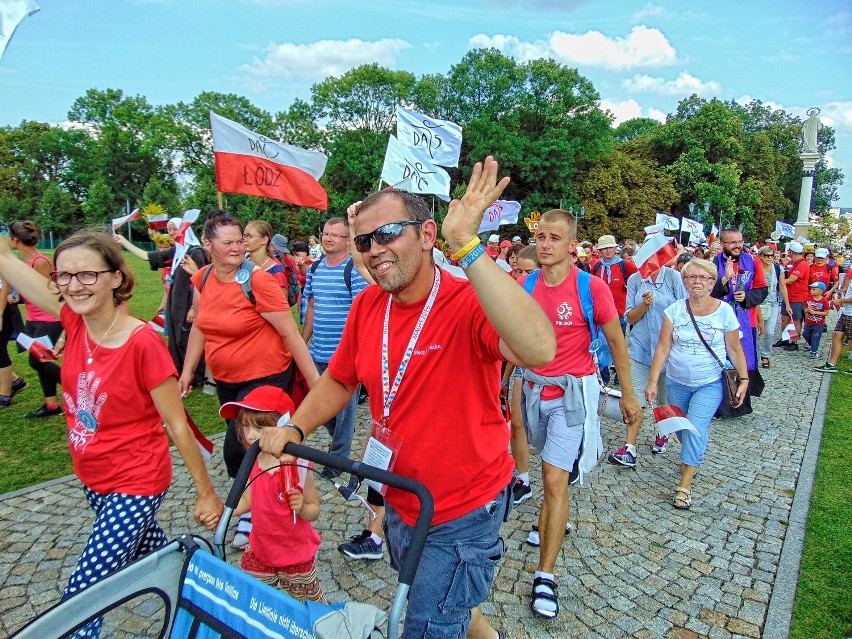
(689, 361)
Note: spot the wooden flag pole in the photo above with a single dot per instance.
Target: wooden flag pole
(219, 200)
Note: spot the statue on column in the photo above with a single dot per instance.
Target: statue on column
(809, 131)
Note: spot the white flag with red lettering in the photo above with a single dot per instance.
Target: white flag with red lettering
(252, 164)
(499, 213)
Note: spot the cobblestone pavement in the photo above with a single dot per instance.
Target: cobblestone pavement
(633, 567)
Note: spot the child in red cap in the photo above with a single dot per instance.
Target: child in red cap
(283, 500)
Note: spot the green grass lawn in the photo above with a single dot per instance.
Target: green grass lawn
(33, 451)
(823, 606)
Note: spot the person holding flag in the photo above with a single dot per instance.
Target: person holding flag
(742, 285)
(120, 391)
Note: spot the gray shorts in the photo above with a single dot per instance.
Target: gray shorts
(798, 309)
(562, 442)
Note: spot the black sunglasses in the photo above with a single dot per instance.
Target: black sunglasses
(383, 235)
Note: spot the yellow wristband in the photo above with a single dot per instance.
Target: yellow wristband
(467, 248)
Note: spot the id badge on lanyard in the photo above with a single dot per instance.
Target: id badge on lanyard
(383, 446)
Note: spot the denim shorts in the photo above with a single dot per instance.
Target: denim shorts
(455, 571)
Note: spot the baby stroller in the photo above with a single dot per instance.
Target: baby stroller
(203, 597)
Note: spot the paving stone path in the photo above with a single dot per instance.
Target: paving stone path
(633, 567)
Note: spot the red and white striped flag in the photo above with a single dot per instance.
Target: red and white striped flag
(252, 164)
(789, 333)
(119, 221)
(158, 323)
(654, 254)
(671, 419)
(158, 222)
(39, 347)
(204, 444)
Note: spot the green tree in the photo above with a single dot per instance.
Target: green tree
(101, 205)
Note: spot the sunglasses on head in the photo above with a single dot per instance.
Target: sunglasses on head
(383, 235)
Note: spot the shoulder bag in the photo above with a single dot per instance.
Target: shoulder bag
(730, 377)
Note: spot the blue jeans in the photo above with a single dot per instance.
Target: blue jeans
(813, 335)
(342, 427)
(699, 403)
(456, 569)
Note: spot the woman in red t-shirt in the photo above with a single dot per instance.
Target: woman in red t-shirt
(24, 238)
(120, 389)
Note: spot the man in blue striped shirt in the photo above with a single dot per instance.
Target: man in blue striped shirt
(332, 284)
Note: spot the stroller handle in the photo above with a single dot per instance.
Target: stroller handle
(424, 518)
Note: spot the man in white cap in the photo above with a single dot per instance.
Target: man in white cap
(822, 271)
(492, 247)
(797, 275)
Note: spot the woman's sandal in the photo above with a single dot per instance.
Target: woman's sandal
(681, 503)
(764, 362)
(544, 590)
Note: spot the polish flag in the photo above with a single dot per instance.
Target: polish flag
(158, 222)
(654, 254)
(119, 221)
(789, 333)
(253, 164)
(185, 237)
(158, 323)
(204, 444)
(671, 419)
(39, 347)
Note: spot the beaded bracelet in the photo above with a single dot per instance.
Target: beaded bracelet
(471, 257)
(467, 248)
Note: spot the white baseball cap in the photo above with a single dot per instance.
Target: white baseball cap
(795, 247)
(494, 238)
(821, 252)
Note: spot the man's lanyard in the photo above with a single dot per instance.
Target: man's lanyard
(389, 392)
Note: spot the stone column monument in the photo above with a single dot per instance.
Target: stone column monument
(809, 157)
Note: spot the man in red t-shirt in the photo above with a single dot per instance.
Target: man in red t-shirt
(821, 271)
(797, 275)
(562, 396)
(428, 347)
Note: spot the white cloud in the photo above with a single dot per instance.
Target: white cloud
(629, 109)
(769, 104)
(837, 115)
(648, 11)
(643, 47)
(685, 84)
(323, 58)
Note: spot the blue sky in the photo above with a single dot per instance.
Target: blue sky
(643, 57)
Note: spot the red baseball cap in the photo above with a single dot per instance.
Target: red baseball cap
(264, 398)
(505, 243)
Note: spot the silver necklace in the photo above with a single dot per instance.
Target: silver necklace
(99, 342)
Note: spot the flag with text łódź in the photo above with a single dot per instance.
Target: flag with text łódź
(412, 171)
(669, 222)
(118, 221)
(11, 14)
(671, 419)
(654, 254)
(690, 226)
(440, 139)
(158, 222)
(252, 164)
(785, 230)
(499, 213)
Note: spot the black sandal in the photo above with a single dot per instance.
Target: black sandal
(544, 590)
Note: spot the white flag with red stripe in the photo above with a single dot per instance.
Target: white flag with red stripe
(158, 222)
(158, 323)
(119, 221)
(252, 164)
(39, 347)
(790, 333)
(671, 419)
(654, 254)
(204, 444)
(185, 237)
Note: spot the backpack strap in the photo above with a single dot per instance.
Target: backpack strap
(247, 265)
(587, 306)
(347, 271)
(530, 281)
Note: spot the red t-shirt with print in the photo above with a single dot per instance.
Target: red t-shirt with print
(616, 281)
(816, 305)
(115, 434)
(561, 304)
(798, 291)
(447, 412)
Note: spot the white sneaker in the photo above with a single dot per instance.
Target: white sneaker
(534, 540)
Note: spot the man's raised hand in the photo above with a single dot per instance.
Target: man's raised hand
(465, 214)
